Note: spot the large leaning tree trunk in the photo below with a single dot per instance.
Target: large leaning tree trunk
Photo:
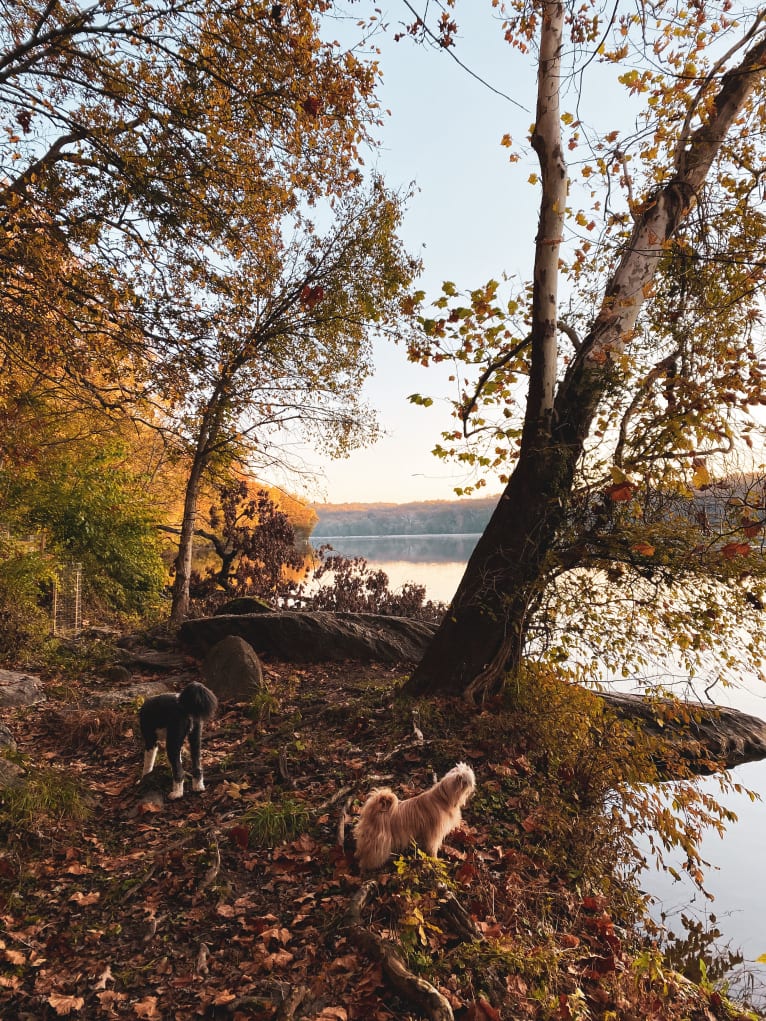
(482, 636)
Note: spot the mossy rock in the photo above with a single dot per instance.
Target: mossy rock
(245, 604)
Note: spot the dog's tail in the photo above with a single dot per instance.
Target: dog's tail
(198, 701)
(380, 802)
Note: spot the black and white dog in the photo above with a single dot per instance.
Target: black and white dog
(180, 716)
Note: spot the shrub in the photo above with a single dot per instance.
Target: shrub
(355, 587)
(26, 582)
(254, 547)
(274, 822)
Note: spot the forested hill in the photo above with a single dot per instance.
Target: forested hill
(431, 517)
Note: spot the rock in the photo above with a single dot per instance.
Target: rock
(707, 737)
(244, 604)
(149, 801)
(162, 637)
(141, 689)
(6, 739)
(19, 689)
(155, 659)
(101, 633)
(11, 775)
(117, 674)
(302, 636)
(232, 670)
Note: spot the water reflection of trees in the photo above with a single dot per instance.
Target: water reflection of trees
(700, 949)
(416, 548)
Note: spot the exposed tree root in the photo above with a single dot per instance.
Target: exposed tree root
(345, 819)
(289, 999)
(460, 921)
(291, 1003)
(336, 797)
(426, 997)
(212, 873)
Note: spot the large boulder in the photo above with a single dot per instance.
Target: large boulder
(19, 689)
(302, 636)
(232, 670)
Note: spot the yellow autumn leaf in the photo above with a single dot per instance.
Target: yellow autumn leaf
(701, 477)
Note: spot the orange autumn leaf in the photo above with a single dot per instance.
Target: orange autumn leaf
(644, 548)
(84, 899)
(620, 491)
(735, 549)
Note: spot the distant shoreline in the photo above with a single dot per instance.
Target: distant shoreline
(424, 518)
(397, 535)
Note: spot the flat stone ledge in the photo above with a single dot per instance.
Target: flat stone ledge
(708, 737)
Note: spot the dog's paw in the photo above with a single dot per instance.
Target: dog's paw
(198, 785)
(177, 791)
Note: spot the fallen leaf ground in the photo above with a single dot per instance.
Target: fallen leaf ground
(234, 902)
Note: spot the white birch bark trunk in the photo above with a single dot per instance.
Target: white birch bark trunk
(546, 141)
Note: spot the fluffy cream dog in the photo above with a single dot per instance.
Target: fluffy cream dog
(387, 824)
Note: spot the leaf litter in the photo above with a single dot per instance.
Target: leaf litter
(234, 903)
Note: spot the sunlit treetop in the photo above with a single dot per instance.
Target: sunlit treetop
(639, 88)
(133, 131)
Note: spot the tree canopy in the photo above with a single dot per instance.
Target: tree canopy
(188, 238)
(146, 150)
(608, 388)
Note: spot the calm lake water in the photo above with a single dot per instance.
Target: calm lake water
(736, 878)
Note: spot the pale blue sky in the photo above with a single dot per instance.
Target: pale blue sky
(473, 218)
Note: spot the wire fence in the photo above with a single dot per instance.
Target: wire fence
(67, 601)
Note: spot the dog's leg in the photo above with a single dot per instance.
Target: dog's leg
(150, 757)
(149, 735)
(174, 744)
(195, 745)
